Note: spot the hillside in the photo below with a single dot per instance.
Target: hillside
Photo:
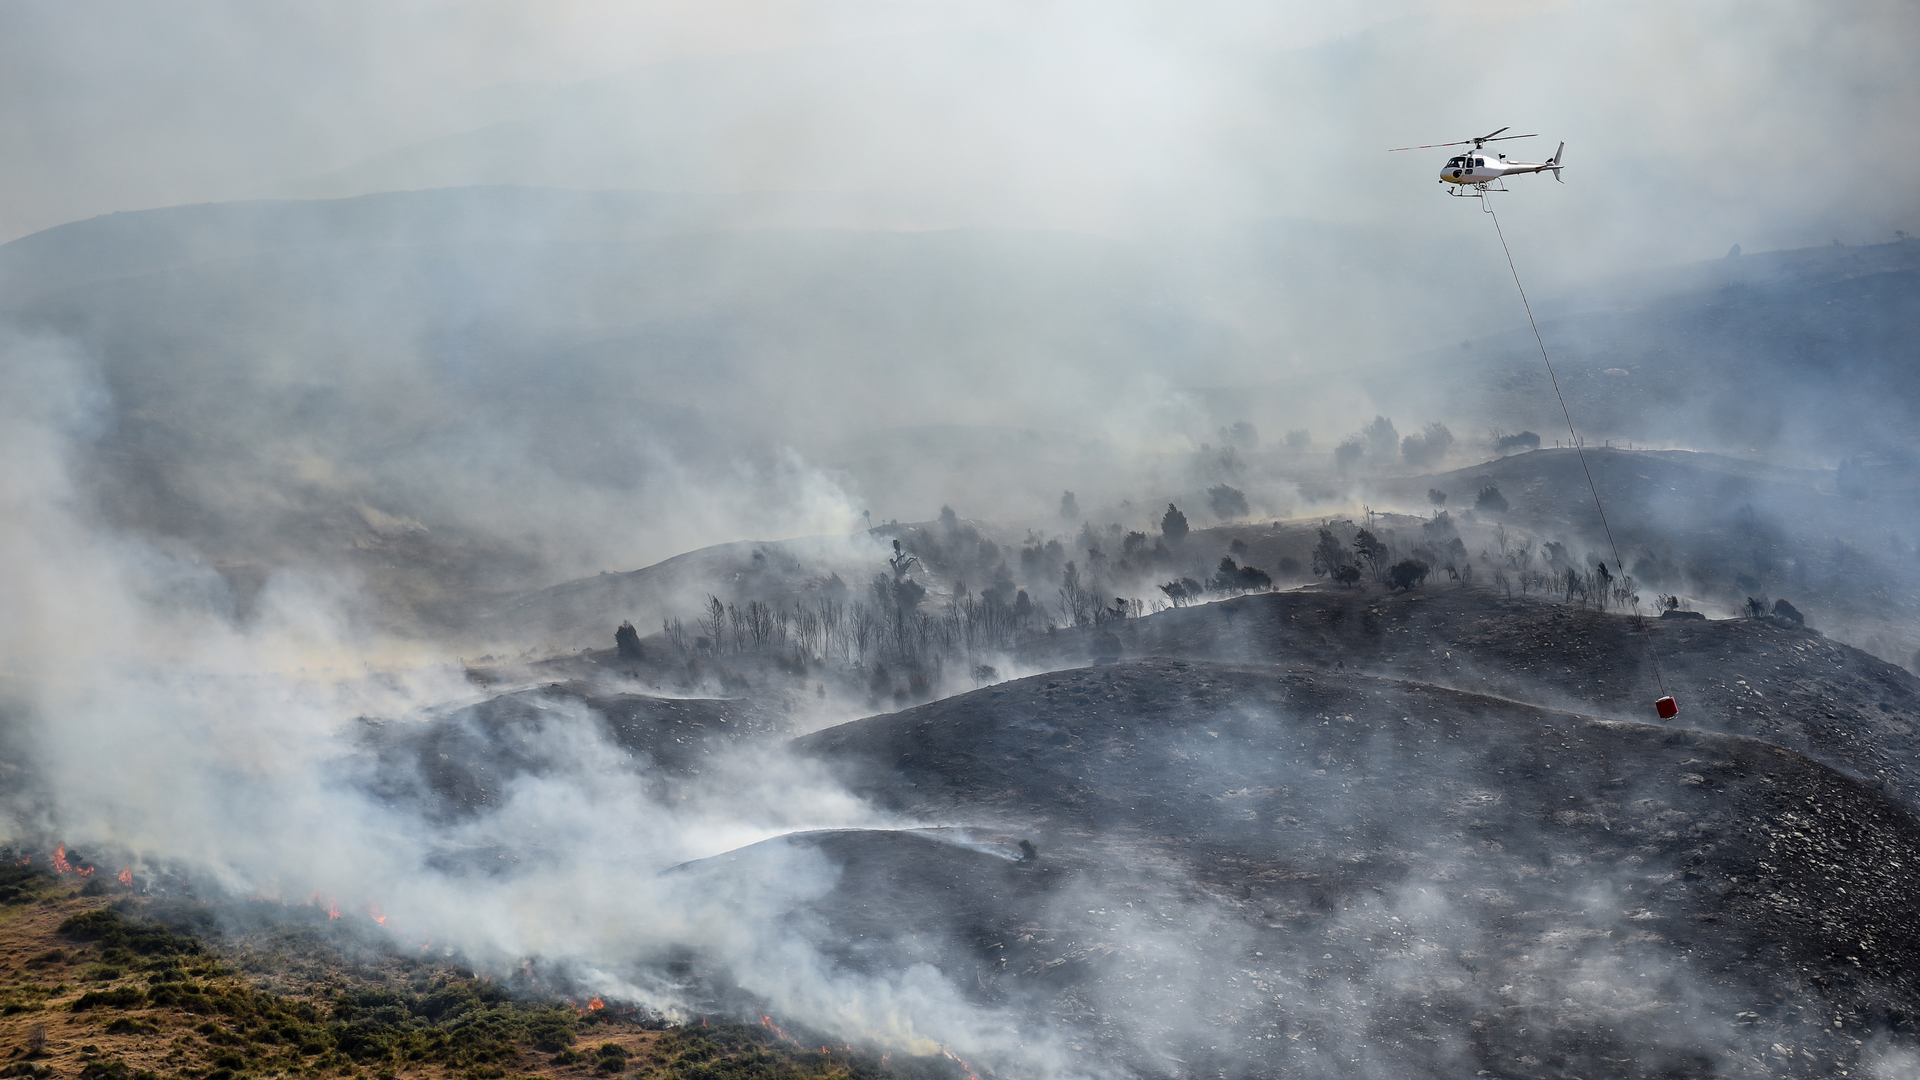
(914, 541)
(1754, 677)
(1717, 529)
(462, 396)
(1505, 887)
(1438, 829)
(140, 988)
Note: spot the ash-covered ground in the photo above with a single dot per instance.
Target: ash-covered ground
(1337, 832)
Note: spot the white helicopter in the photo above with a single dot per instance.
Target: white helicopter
(1478, 171)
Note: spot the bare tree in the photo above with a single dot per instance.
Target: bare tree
(901, 562)
(865, 628)
(713, 622)
(1076, 600)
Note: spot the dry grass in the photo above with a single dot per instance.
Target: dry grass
(109, 987)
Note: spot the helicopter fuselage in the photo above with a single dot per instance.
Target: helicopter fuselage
(1480, 167)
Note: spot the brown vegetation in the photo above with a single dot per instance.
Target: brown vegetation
(116, 989)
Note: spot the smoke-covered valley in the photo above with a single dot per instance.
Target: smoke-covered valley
(1006, 543)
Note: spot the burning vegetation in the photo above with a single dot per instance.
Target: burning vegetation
(143, 989)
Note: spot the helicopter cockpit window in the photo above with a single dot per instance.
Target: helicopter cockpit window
(1479, 161)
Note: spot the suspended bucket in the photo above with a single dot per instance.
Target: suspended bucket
(1667, 707)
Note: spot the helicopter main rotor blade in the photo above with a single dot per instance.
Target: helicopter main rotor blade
(1504, 138)
(1494, 132)
(1429, 146)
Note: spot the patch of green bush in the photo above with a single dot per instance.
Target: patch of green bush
(21, 884)
(117, 935)
(610, 1059)
(120, 997)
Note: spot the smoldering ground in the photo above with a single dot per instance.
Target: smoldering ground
(146, 718)
(264, 458)
(1375, 874)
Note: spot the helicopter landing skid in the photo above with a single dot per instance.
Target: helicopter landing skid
(1479, 190)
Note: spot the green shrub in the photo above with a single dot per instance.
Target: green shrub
(128, 1025)
(117, 935)
(609, 1059)
(120, 997)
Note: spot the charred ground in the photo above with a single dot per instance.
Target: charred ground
(1324, 830)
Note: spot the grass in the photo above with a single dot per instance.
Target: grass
(150, 990)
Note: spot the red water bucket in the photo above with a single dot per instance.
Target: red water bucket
(1667, 707)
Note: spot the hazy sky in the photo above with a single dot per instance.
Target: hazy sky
(1245, 143)
(117, 106)
(1772, 124)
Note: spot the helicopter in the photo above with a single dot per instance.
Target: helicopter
(1474, 169)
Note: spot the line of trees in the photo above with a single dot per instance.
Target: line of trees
(894, 630)
(897, 627)
(1387, 559)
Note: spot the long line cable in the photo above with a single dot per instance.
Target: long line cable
(1574, 437)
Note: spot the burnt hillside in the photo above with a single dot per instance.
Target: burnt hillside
(1754, 677)
(1452, 880)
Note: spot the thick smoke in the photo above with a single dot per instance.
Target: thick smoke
(530, 298)
(230, 754)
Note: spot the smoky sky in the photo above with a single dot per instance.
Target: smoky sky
(497, 295)
(1106, 224)
(1689, 127)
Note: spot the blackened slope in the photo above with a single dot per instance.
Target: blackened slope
(1743, 676)
(676, 732)
(462, 761)
(936, 896)
(1442, 847)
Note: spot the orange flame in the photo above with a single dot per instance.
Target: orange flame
(126, 877)
(373, 910)
(61, 865)
(957, 1060)
(596, 1005)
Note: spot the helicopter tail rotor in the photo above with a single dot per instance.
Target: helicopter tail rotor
(1558, 159)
